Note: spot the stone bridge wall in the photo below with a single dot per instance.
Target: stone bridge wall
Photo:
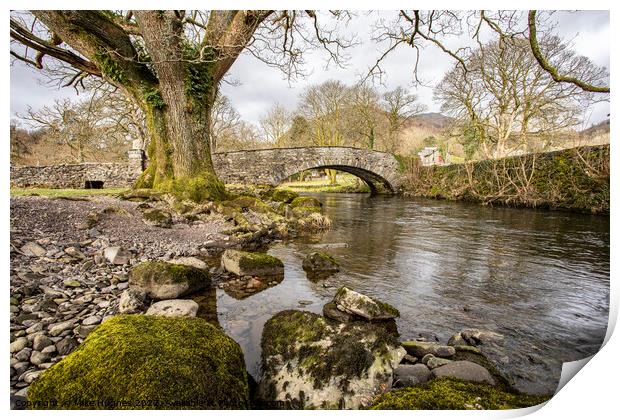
(113, 175)
(272, 166)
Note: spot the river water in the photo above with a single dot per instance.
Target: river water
(541, 278)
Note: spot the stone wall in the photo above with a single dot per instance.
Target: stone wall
(113, 175)
(270, 166)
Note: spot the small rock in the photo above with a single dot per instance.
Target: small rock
(355, 303)
(92, 320)
(410, 375)
(51, 349)
(320, 262)
(71, 283)
(19, 344)
(408, 359)
(332, 312)
(33, 249)
(132, 301)
(37, 357)
(65, 345)
(74, 252)
(57, 329)
(435, 362)
(23, 355)
(116, 255)
(29, 377)
(174, 308)
(420, 349)
(257, 264)
(41, 341)
(464, 370)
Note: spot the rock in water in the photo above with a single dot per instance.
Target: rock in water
(355, 303)
(191, 261)
(257, 264)
(116, 255)
(464, 370)
(320, 262)
(422, 348)
(410, 375)
(312, 362)
(161, 280)
(161, 362)
(174, 307)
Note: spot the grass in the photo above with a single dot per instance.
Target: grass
(345, 183)
(64, 192)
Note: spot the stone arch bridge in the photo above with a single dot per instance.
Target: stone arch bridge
(381, 171)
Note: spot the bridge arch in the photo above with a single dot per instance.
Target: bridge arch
(272, 166)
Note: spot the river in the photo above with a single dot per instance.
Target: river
(541, 278)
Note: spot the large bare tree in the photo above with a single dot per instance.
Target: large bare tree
(171, 64)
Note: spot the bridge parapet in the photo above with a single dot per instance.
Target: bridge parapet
(272, 166)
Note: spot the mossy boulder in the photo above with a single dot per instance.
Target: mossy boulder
(244, 263)
(284, 195)
(310, 361)
(306, 202)
(320, 262)
(454, 394)
(303, 211)
(161, 280)
(157, 217)
(371, 309)
(147, 362)
(246, 202)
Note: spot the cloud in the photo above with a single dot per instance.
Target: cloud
(261, 86)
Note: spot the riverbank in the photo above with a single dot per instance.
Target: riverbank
(574, 179)
(71, 256)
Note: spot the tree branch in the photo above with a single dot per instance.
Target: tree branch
(549, 68)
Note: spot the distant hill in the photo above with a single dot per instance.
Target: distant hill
(596, 129)
(430, 120)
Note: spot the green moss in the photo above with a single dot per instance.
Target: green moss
(160, 272)
(284, 195)
(306, 202)
(204, 187)
(246, 202)
(304, 211)
(453, 394)
(152, 96)
(573, 179)
(257, 260)
(147, 362)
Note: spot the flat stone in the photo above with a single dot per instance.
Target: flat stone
(411, 375)
(51, 349)
(174, 308)
(355, 303)
(92, 320)
(420, 349)
(464, 370)
(33, 249)
(191, 261)
(57, 329)
(71, 283)
(257, 264)
(29, 377)
(19, 344)
(116, 255)
(435, 362)
(332, 312)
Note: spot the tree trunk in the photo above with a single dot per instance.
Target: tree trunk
(331, 173)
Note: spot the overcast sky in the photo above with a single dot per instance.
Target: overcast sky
(259, 87)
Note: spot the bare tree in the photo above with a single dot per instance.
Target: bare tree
(224, 121)
(171, 64)
(366, 115)
(400, 107)
(505, 100)
(275, 124)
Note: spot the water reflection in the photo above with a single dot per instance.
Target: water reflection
(540, 278)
